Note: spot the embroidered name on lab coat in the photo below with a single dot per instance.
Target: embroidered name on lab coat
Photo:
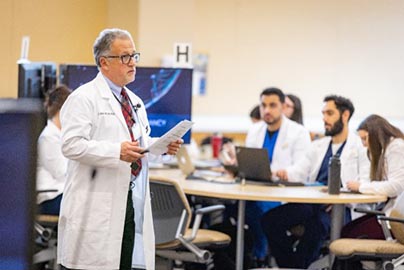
(106, 113)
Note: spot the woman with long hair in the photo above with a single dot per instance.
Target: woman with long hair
(293, 108)
(385, 144)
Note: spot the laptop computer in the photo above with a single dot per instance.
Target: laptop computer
(187, 167)
(254, 167)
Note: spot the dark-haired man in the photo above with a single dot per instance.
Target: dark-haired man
(294, 251)
(286, 142)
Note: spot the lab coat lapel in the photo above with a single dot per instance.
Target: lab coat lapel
(106, 93)
(281, 141)
(259, 143)
(321, 151)
(347, 151)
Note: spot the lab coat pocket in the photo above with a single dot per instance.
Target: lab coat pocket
(93, 211)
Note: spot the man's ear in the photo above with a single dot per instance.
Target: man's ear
(345, 116)
(104, 64)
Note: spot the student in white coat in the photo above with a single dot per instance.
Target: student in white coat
(105, 220)
(286, 142)
(385, 144)
(292, 252)
(52, 165)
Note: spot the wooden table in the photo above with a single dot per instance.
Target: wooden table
(242, 193)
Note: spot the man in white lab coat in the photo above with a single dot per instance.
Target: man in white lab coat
(286, 142)
(105, 220)
(299, 252)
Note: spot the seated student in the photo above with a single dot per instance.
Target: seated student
(255, 114)
(52, 165)
(286, 142)
(299, 252)
(293, 108)
(385, 144)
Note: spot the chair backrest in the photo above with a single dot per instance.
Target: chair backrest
(397, 228)
(168, 203)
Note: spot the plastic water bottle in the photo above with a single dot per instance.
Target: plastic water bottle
(334, 175)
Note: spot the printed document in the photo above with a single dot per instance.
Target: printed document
(159, 147)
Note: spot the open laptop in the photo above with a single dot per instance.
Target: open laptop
(254, 167)
(188, 168)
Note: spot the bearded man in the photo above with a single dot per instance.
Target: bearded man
(299, 252)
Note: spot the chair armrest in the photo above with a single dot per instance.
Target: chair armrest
(369, 212)
(198, 217)
(379, 215)
(383, 222)
(209, 209)
(391, 219)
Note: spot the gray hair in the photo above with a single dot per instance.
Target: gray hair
(102, 44)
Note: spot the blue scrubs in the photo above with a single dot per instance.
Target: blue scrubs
(256, 210)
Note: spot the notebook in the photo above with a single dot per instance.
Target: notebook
(188, 168)
(254, 167)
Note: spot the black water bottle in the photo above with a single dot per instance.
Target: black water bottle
(334, 175)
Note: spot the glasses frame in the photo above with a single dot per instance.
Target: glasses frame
(135, 56)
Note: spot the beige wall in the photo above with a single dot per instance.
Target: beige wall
(60, 31)
(161, 24)
(124, 14)
(309, 47)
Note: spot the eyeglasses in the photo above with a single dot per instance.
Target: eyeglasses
(125, 59)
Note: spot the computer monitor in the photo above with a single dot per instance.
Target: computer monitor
(166, 92)
(74, 76)
(167, 95)
(20, 124)
(35, 79)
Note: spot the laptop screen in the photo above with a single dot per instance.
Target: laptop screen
(253, 164)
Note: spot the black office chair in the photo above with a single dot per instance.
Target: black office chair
(175, 240)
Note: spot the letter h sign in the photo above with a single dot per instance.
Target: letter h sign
(182, 55)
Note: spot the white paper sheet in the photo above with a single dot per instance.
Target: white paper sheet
(159, 147)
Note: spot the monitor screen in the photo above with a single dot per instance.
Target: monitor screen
(35, 79)
(20, 124)
(166, 92)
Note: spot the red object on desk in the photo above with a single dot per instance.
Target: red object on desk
(216, 145)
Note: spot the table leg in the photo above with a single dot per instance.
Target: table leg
(337, 220)
(240, 235)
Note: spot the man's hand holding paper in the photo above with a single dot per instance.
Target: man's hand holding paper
(173, 147)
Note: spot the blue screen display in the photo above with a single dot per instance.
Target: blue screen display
(166, 92)
(17, 176)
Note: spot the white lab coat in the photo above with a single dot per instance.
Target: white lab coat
(393, 185)
(52, 165)
(354, 161)
(291, 145)
(94, 201)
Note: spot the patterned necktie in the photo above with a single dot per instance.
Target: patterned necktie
(130, 121)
